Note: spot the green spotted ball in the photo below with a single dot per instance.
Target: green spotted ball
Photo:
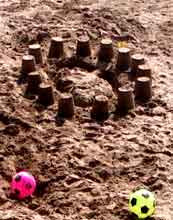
(142, 203)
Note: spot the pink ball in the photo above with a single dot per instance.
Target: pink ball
(23, 185)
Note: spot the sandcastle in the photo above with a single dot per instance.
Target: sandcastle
(104, 60)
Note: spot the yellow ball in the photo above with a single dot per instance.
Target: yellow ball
(142, 203)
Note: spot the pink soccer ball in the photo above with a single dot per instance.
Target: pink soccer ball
(23, 185)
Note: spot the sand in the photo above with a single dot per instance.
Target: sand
(86, 169)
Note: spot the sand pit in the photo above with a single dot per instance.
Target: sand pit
(86, 168)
